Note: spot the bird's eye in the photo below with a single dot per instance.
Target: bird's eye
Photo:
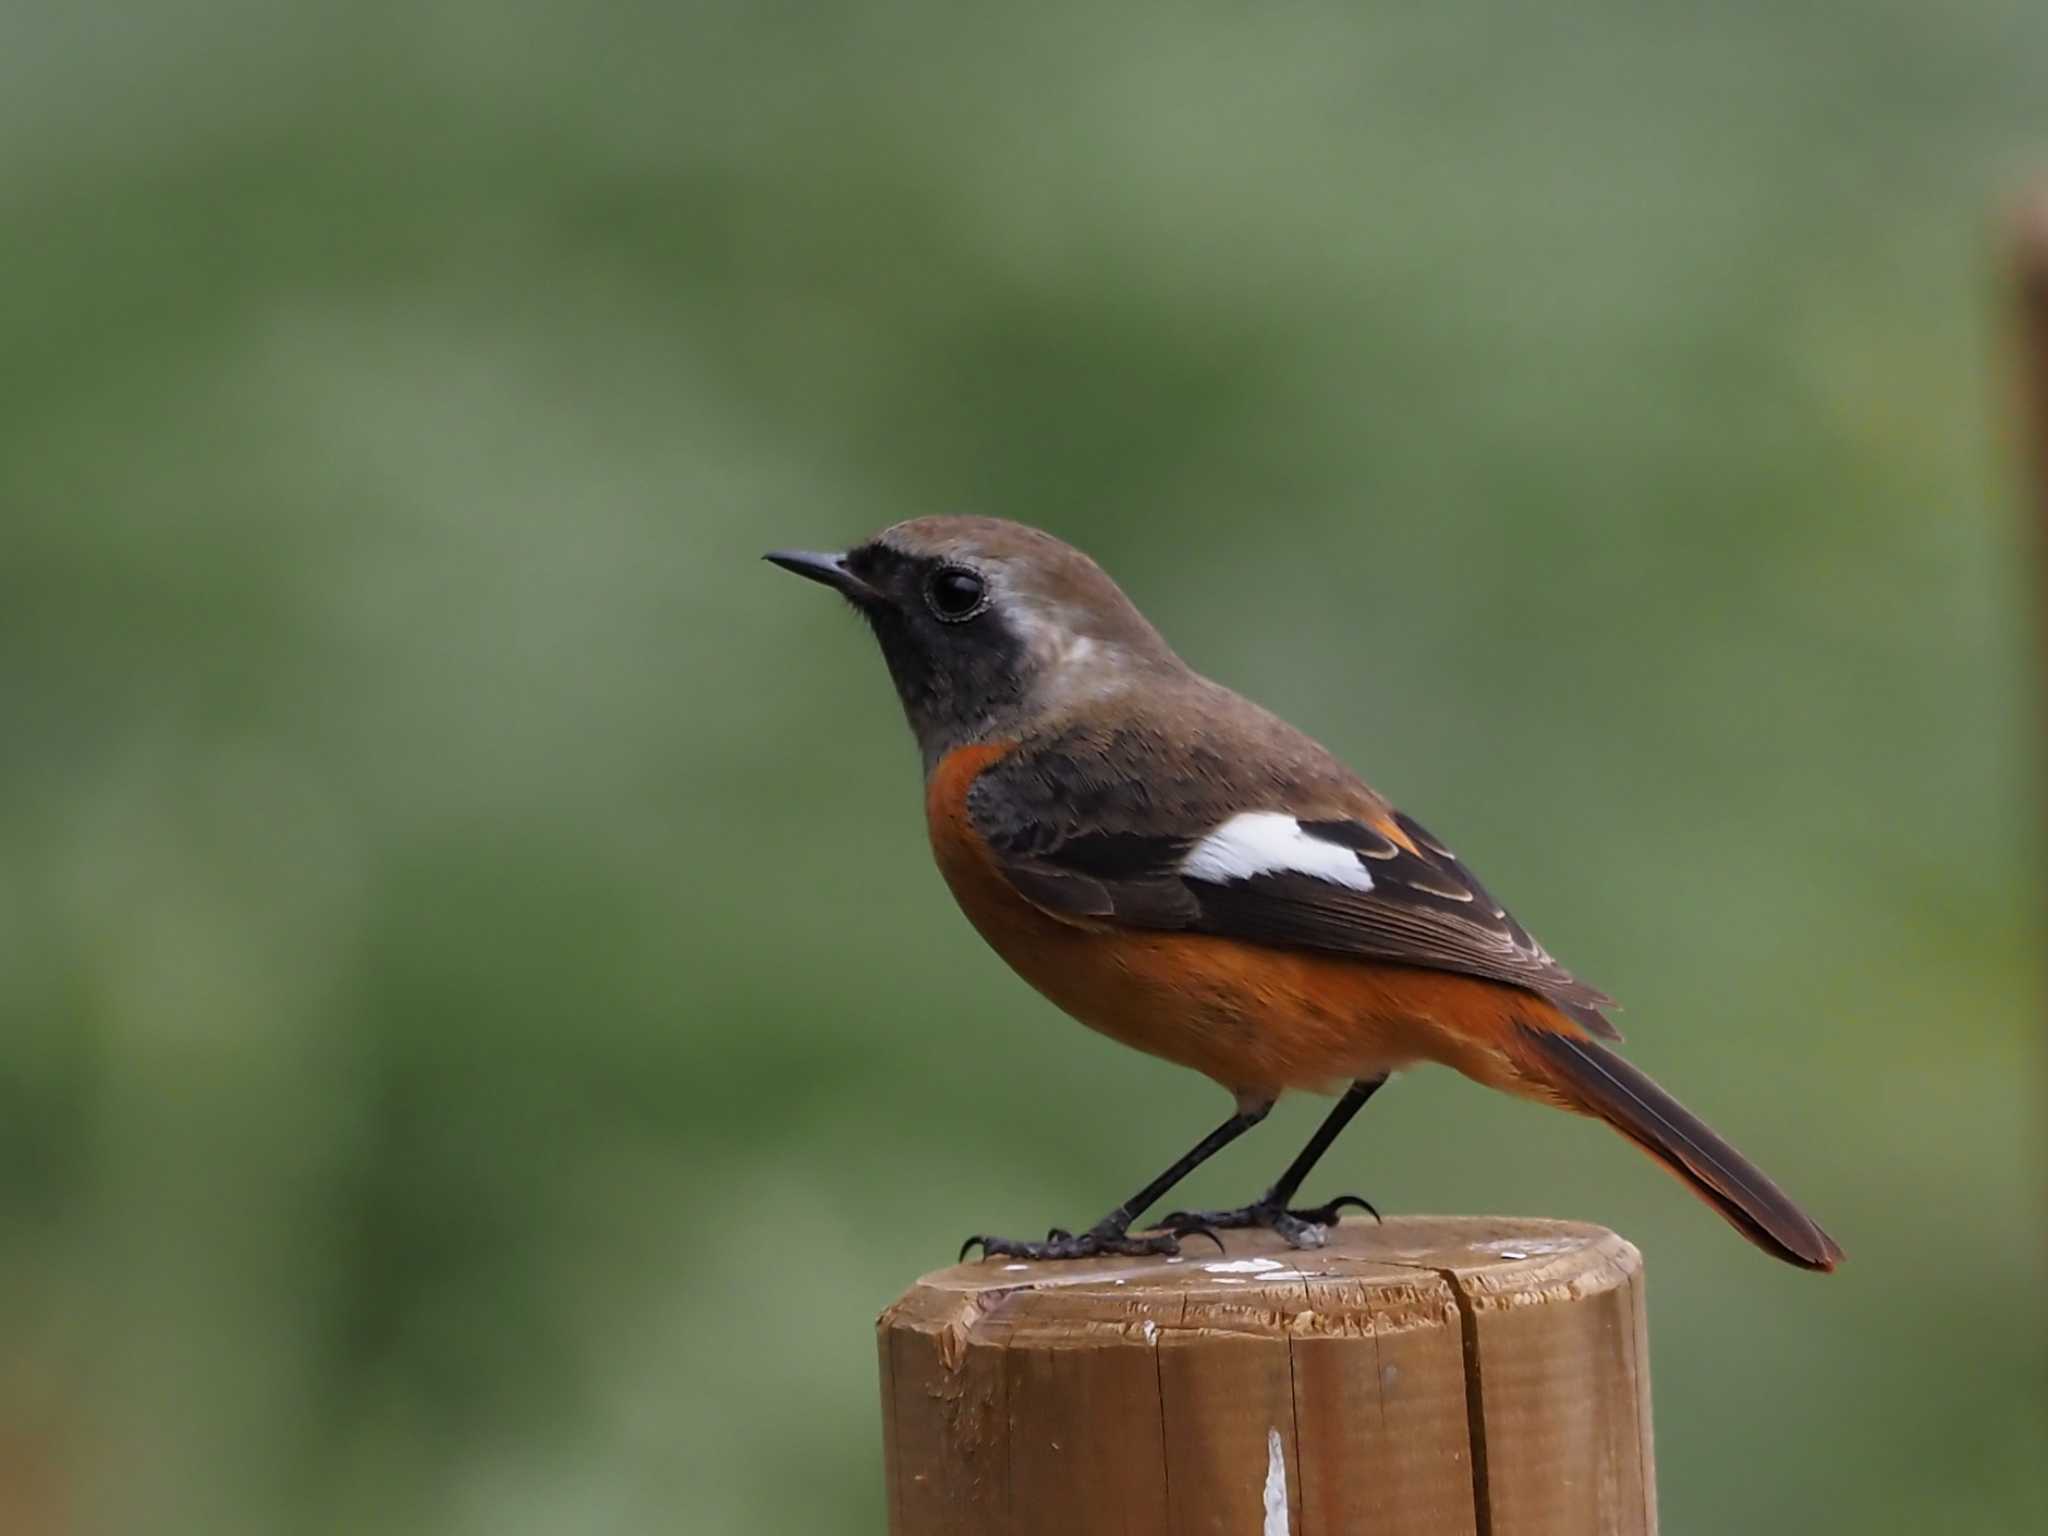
(955, 594)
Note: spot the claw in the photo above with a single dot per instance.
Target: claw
(1301, 1229)
(1327, 1214)
(1188, 1224)
(1086, 1245)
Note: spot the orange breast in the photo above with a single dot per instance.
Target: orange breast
(1255, 1019)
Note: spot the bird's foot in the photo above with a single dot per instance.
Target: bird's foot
(1095, 1243)
(1302, 1229)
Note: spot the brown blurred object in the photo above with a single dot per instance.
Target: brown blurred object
(2030, 284)
(33, 1494)
(1435, 1375)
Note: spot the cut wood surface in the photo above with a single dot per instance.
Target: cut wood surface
(1435, 1375)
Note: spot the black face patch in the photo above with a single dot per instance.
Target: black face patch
(952, 672)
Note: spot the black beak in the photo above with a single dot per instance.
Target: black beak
(829, 569)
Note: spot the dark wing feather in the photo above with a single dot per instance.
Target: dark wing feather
(1425, 908)
(1118, 859)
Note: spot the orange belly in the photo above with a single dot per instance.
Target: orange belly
(1257, 1020)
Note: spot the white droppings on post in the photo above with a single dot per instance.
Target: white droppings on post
(1244, 1267)
(1276, 1485)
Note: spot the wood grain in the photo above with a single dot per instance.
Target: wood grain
(1436, 1376)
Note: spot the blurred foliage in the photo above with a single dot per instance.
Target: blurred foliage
(482, 1037)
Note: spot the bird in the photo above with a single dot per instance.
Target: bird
(1179, 869)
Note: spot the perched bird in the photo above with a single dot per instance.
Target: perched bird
(1185, 872)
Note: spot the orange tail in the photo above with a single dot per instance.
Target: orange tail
(1594, 1080)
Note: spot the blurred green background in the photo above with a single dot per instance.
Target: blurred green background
(482, 1037)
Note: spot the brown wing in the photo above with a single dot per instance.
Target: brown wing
(1080, 841)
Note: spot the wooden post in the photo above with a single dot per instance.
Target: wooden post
(1429, 1377)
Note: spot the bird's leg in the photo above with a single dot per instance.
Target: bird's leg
(1301, 1228)
(1112, 1234)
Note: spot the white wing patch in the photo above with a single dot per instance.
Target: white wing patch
(1271, 843)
